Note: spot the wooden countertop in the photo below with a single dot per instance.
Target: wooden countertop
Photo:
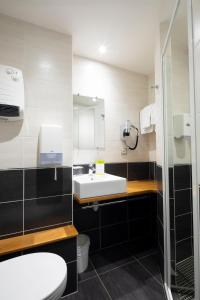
(35, 239)
(137, 187)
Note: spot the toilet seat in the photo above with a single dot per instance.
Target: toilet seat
(37, 276)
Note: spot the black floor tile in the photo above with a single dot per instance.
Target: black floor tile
(110, 258)
(88, 273)
(132, 282)
(89, 290)
(151, 263)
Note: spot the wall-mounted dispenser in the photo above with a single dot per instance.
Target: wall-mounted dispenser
(182, 125)
(11, 93)
(51, 145)
(126, 135)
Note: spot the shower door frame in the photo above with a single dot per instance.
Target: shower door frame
(165, 169)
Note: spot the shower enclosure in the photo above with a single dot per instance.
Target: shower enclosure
(181, 142)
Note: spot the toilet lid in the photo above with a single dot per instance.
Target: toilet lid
(33, 276)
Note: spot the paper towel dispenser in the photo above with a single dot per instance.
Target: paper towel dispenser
(11, 93)
(182, 125)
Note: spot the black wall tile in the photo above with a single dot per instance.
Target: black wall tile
(142, 245)
(113, 214)
(11, 217)
(140, 228)
(160, 207)
(41, 182)
(171, 182)
(142, 207)
(11, 185)
(94, 236)
(118, 169)
(160, 235)
(86, 219)
(114, 234)
(138, 170)
(183, 201)
(72, 282)
(172, 212)
(182, 176)
(183, 227)
(159, 177)
(9, 256)
(161, 261)
(66, 249)
(120, 214)
(172, 245)
(47, 211)
(173, 272)
(152, 170)
(184, 249)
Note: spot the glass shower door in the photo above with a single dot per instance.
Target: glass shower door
(179, 163)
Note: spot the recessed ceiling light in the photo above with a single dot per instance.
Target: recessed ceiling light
(102, 49)
(94, 99)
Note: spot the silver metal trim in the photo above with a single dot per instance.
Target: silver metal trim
(195, 187)
(104, 204)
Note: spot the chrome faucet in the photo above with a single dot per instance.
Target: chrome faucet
(91, 171)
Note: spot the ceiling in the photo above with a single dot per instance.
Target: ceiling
(126, 27)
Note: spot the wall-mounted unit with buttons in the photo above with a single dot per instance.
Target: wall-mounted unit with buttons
(11, 93)
(182, 125)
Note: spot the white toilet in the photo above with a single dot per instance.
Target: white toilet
(38, 276)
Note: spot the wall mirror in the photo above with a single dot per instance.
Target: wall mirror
(89, 122)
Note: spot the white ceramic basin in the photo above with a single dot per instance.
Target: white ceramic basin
(86, 186)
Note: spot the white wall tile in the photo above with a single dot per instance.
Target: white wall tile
(45, 57)
(11, 153)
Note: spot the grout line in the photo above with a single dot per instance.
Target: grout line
(179, 190)
(133, 260)
(44, 197)
(101, 282)
(48, 226)
(84, 280)
(187, 213)
(147, 255)
(112, 246)
(12, 201)
(138, 260)
(13, 234)
(187, 238)
(65, 297)
(153, 276)
(29, 199)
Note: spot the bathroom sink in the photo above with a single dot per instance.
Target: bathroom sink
(86, 186)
